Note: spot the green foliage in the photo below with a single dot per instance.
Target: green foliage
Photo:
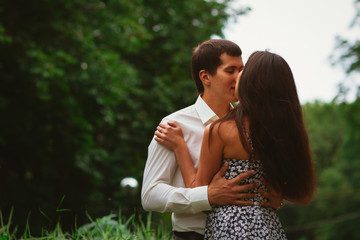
(334, 213)
(101, 228)
(347, 53)
(83, 85)
(324, 123)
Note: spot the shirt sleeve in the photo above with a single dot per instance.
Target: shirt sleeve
(157, 193)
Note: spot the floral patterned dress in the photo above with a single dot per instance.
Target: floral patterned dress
(244, 222)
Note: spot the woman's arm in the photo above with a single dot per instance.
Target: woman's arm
(210, 156)
(171, 137)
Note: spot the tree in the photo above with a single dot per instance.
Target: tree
(83, 85)
(334, 139)
(347, 52)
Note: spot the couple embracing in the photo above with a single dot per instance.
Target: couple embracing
(222, 170)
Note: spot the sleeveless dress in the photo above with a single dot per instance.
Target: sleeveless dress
(244, 222)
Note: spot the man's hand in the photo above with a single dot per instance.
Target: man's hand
(275, 198)
(223, 192)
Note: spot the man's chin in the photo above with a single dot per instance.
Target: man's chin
(234, 100)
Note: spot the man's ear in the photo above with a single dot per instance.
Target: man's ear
(205, 77)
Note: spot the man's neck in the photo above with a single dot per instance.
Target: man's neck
(220, 108)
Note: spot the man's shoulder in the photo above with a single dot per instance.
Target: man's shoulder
(186, 112)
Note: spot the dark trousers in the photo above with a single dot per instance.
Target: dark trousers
(187, 236)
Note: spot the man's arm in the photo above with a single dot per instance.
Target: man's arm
(225, 192)
(219, 192)
(158, 195)
(157, 192)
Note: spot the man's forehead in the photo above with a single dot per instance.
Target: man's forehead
(229, 61)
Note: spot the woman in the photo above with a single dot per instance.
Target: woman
(264, 132)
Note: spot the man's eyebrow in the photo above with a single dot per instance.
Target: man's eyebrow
(230, 67)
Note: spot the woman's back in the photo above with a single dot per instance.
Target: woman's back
(233, 147)
(242, 222)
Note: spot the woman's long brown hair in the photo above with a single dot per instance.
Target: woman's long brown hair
(269, 100)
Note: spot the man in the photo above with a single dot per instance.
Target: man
(215, 66)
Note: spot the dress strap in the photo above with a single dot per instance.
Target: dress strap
(252, 151)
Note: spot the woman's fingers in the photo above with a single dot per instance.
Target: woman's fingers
(173, 124)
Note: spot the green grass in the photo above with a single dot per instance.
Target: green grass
(106, 228)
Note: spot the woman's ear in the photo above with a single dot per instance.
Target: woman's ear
(205, 78)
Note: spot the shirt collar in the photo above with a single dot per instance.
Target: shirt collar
(206, 114)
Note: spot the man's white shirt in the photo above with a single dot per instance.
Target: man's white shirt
(163, 189)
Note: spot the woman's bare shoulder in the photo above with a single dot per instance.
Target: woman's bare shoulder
(226, 130)
(222, 126)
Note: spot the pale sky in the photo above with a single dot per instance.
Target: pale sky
(303, 33)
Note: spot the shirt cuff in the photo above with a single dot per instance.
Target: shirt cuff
(199, 199)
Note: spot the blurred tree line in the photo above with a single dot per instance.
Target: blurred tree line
(83, 85)
(334, 213)
(334, 130)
